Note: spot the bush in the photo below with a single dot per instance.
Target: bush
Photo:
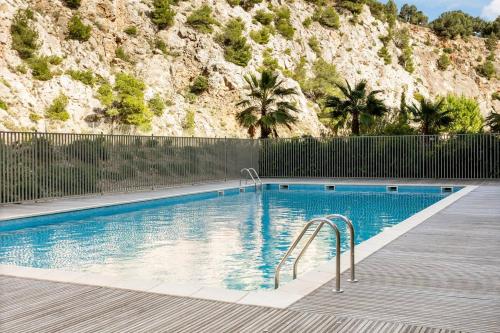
(54, 60)
(307, 22)
(156, 105)
(410, 14)
(86, 77)
(162, 15)
(402, 40)
(487, 69)
(264, 17)
(327, 17)
(131, 30)
(40, 68)
(354, 6)
(201, 19)
(57, 110)
(105, 94)
(443, 62)
(24, 36)
(200, 85)
(314, 45)
(261, 36)
(77, 30)
(121, 54)
(491, 43)
(465, 113)
(453, 24)
(282, 22)
(323, 83)
(3, 105)
(269, 63)
(245, 4)
(236, 49)
(73, 4)
(161, 45)
(384, 54)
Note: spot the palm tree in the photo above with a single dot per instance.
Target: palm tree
(264, 105)
(356, 103)
(493, 121)
(431, 116)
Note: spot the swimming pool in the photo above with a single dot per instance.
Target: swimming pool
(232, 240)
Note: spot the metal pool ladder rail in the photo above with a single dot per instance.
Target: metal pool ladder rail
(322, 221)
(251, 172)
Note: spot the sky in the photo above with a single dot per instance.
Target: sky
(487, 9)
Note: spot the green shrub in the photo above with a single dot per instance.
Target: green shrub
(236, 49)
(491, 43)
(77, 30)
(323, 83)
(189, 123)
(282, 22)
(264, 17)
(261, 36)
(131, 30)
(105, 94)
(54, 60)
(402, 40)
(327, 17)
(128, 105)
(86, 77)
(384, 54)
(201, 19)
(40, 68)
(448, 50)
(354, 6)
(156, 105)
(73, 4)
(245, 4)
(3, 105)
(200, 85)
(496, 96)
(443, 62)
(269, 63)
(410, 14)
(465, 113)
(314, 45)
(162, 15)
(57, 110)
(24, 36)
(161, 45)
(35, 117)
(307, 22)
(453, 24)
(121, 54)
(487, 69)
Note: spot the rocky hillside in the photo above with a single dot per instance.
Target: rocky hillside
(124, 39)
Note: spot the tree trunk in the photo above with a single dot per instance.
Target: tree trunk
(265, 132)
(355, 123)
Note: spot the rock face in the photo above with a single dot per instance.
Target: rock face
(352, 48)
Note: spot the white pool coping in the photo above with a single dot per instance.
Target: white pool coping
(281, 298)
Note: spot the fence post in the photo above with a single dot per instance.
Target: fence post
(225, 159)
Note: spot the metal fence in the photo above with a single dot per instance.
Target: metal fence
(436, 156)
(44, 165)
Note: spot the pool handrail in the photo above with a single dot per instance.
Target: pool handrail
(318, 229)
(251, 176)
(322, 221)
(256, 175)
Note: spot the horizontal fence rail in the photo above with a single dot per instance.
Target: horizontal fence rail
(46, 165)
(435, 156)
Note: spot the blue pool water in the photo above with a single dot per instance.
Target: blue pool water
(232, 241)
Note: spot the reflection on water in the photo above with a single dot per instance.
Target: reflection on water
(233, 241)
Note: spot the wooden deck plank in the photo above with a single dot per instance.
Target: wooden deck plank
(442, 276)
(443, 273)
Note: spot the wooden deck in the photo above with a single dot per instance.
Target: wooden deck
(442, 276)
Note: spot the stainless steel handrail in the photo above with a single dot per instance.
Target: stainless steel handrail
(322, 221)
(313, 236)
(248, 171)
(352, 239)
(256, 175)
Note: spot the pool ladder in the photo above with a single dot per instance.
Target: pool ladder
(253, 174)
(322, 221)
